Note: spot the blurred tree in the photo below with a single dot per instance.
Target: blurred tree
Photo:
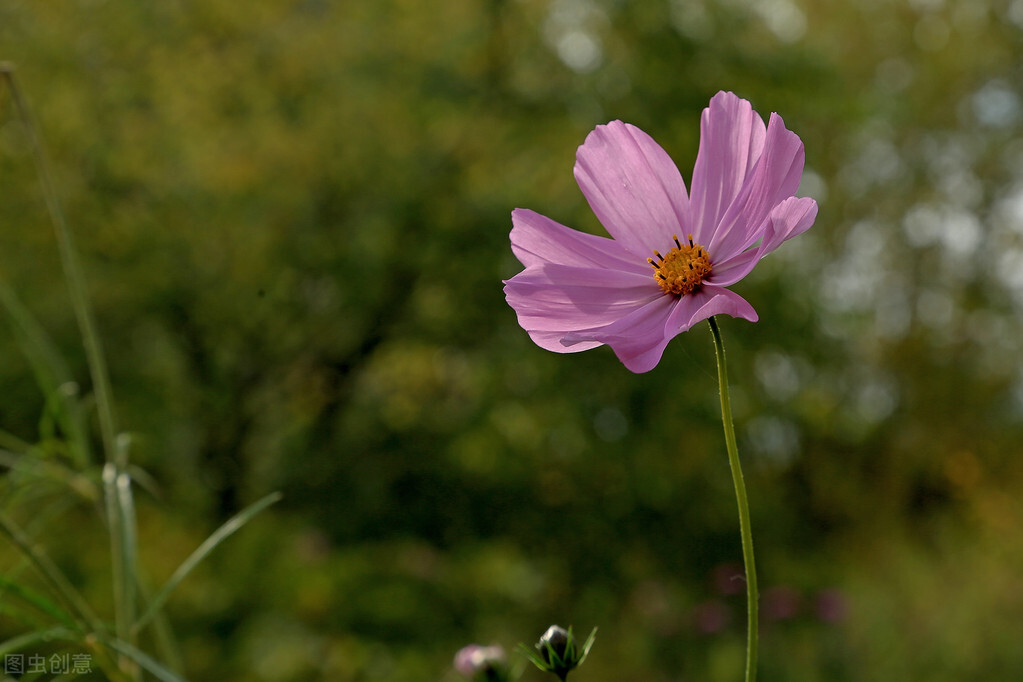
(294, 220)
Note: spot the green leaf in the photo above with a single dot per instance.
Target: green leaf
(143, 659)
(211, 543)
(37, 600)
(37, 637)
(52, 376)
(56, 578)
(11, 442)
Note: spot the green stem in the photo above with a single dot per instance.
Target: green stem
(85, 619)
(745, 528)
(73, 273)
(121, 518)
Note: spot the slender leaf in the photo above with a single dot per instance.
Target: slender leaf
(51, 373)
(72, 271)
(129, 547)
(85, 618)
(144, 660)
(28, 619)
(48, 365)
(49, 469)
(37, 600)
(11, 442)
(39, 636)
(163, 635)
(186, 567)
(115, 526)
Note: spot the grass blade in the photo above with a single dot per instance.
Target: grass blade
(37, 600)
(11, 442)
(129, 544)
(143, 660)
(84, 617)
(72, 270)
(40, 636)
(186, 567)
(51, 372)
(163, 635)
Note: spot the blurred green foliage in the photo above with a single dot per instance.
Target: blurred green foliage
(293, 219)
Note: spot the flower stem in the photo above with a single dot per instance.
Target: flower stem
(740, 497)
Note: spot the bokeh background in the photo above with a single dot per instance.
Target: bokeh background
(293, 218)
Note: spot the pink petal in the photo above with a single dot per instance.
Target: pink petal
(735, 268)
(638, 339)
(708, 301)
(633, 187)
(537, 239)
(791, 217)
(731, 140)
(552, 301)
(775, 177)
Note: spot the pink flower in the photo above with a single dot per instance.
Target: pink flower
(474, 659)
(579, 291)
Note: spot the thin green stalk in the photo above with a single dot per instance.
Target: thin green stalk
(38, 637)
(121, 526)
(120, 516)
(129, 536)
(745, 527)
(85, 619)
(72, 271)
(163, 636)
(115, 528)
(51, 372)
(230, 526)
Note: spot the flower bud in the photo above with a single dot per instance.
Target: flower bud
(554, 645)
(560, 653)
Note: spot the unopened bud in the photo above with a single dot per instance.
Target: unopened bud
(554, 645)
(559, 652)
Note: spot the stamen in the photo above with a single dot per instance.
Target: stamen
(683, 269)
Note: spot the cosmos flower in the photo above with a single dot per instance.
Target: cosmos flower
(672, 254)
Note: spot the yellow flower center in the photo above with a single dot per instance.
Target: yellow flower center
(682, 269)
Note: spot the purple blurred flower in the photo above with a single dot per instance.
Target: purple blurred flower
(579, 291)
(780, 603)
(832, 606)
(712, 616)
(480, 661)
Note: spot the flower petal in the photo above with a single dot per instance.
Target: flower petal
(638, 339)
(708, 301)
(552, 301)
(633, 187)
(775, 177)
(791, 217)
(536, 239)
(735, 268)
(731, 140)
